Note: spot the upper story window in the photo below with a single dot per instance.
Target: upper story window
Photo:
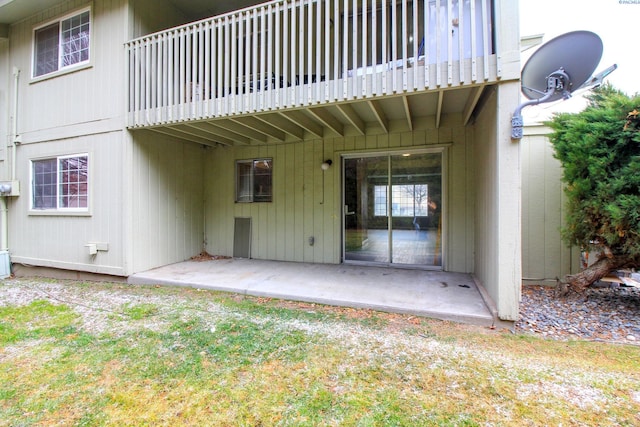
(253, 180)
(60, 183)
(62, 44)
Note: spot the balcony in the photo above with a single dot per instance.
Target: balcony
(287, 70)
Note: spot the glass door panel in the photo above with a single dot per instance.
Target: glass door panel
(392, 209)
(416, 199)
(366, 236)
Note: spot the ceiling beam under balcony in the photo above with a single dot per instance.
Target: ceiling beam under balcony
(282, 123)
(192, 129)
(439, 108)
(471, 104)
(181, 135)
(407, 112)
(328, 119)
(304, 121)
(241, 129)
(381, 117)
(352, 117)
(260, 126)
(213, 129)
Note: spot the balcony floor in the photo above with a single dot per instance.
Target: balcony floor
(395, 112)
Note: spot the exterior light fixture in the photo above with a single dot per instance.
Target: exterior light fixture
(326, 165)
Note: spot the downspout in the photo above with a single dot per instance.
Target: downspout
(16, 137)
(4, 210)
(4, 243)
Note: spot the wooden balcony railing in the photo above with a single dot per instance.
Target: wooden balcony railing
(289, 54)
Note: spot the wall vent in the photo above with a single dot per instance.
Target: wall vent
(242, 238)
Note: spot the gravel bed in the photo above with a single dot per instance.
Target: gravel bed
(599, 314)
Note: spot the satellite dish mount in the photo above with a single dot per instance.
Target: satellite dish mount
(557, 83)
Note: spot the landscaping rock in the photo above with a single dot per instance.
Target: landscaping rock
(599, 314)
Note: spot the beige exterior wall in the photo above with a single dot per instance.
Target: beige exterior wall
(5, 96)
(165, 212)
(498, 207)
(58, 107)
(307, 202)
(498, 239)
(42, 239)
(71, 113)
(145, 194)
(544, 256)
(156, 200)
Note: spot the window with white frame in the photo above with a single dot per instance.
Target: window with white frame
(62, 44)
(60, 183)
(253, 180)
(407, 200)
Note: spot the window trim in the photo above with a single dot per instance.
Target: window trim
(61, 211)
(62, 69)
(252, 196)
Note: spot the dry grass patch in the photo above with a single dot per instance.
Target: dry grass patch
(162, 356)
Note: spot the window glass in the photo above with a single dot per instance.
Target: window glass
(60, 183)
(62, 44)
(73, 182)
(44, 184)
(244, 193)
(262, 181)
(408, 200)
(75, 39)
(46, 50)
(254, 180)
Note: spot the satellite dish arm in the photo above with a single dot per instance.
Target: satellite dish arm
(558, 81)
(517, 122)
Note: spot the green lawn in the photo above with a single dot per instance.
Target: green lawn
(105, 354)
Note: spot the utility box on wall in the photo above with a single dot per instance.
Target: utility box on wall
(5, 265)
(9, 188)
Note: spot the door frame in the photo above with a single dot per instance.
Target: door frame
(439, 148)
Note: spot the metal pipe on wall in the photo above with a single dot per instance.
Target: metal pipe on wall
(15, 139)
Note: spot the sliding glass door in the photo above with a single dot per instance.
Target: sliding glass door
(392, 209)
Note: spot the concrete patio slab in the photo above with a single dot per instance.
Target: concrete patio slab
(436, 294)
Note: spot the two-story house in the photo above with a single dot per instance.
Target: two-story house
(139, 133)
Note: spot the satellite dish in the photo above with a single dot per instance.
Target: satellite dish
(575, 54)
(558, 68)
